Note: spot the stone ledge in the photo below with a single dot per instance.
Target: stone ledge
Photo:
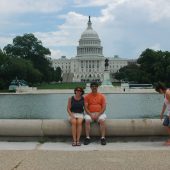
(60, 127)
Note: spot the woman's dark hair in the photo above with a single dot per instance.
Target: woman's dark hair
(79, 88)
(160, 86)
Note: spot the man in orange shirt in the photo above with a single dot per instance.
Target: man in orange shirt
(95, 105)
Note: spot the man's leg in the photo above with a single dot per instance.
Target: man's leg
(102, 124)
(87, 129)
(102, 128)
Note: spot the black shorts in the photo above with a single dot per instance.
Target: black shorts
(166, 121)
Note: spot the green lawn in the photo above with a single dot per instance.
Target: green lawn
(6, 91)
(60, 85)
(64, 85)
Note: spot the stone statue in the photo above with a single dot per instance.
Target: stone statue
(106, 64)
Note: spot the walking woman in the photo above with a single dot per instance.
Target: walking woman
(160, 88)
(75, 109)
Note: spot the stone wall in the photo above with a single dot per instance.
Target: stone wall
(58, 127)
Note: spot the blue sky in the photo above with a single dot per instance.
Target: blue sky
(125, 27)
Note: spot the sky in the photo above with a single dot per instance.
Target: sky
(125, 27)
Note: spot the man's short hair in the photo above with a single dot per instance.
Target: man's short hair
(94, 84)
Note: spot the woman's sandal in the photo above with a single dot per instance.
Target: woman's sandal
(78, 144)
(74, 144)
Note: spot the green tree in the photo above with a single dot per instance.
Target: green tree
(155, 64)
(57, 75)
(10, 68)
(30, 48)
(3, 63)
(130, 73)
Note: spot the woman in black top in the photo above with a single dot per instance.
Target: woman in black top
(75, 109)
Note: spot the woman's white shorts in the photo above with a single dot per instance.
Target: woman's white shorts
(78, 115)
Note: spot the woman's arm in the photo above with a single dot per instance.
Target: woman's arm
(163, 110)
(69, 107)
(167, 94)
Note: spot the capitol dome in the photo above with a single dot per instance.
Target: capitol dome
(89, 43)
(89, 33)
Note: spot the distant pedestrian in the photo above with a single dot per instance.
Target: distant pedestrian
(95, 105)
(160, 88)
(75, 109)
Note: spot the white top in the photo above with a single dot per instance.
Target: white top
(167, 103)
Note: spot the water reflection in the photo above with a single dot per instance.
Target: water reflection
(53, 106)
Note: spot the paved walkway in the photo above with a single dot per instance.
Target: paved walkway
(70, 91)
(66, 146)
(61, 155)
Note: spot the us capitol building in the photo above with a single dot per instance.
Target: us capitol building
(89, 63)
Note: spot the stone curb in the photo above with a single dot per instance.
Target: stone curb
(61, 127)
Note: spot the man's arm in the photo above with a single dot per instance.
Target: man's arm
(103, 108)
(86, 107)
(103, 105)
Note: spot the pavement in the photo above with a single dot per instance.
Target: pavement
(118, 155)
(104, 90)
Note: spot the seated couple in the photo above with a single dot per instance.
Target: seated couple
(94, 105)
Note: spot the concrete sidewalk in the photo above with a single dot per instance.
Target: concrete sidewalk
(61, 155)
(94, 146)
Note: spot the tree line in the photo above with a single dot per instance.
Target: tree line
(26, 59)
(152, 67)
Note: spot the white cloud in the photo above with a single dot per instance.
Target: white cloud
(4, 40)
(90, 3)
(68, 33)
(156, 46)
(53, 38)
(156, 9)
(55, 54)
(117, 26)
(125, 27)
(22, 6)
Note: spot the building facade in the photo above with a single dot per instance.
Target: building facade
(89, 63)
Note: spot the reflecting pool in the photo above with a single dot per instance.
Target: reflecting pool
(53, 106)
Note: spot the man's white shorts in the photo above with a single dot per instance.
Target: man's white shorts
(101, 117)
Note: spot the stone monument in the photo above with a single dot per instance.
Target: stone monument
(106, 79)
(106, 85)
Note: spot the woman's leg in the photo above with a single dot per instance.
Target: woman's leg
(168, 130)
(73, 128)
(79, 128)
